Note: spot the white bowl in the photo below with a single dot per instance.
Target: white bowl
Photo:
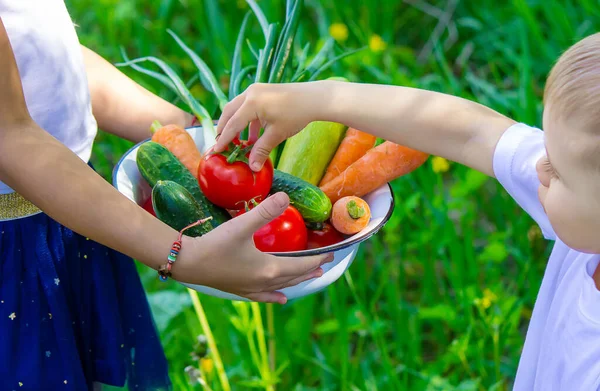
(128, 180)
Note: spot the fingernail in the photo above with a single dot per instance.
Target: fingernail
(280, 199)
(256, 166)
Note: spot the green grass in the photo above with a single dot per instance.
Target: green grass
(441, 298)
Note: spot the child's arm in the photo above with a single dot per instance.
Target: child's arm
(123, 107)
(439, 124)
(44, 171)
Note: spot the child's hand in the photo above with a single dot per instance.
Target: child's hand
(439, 124)
(230, 262)
(282, 110)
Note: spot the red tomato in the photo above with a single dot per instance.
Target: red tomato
(227, 180)
(286, 233)
(324, 237)
(148, 206)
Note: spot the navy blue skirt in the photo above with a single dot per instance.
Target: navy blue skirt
(72, 312)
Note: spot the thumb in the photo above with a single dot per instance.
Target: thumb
(262, 148)
(264, 213)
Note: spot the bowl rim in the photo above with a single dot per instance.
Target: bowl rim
(303, 253)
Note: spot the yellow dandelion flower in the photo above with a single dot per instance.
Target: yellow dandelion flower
(376, 44)
(207, 365)
(439, 164)
(490, 295)
(486, 303)
(339, 32)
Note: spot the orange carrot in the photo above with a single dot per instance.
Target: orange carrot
(350, 215)
(180, 143)
(378, 166)
(354, 145)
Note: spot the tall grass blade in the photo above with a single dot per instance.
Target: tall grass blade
(301, 60)
(253, 50)
(206, 75)
(266, 55)
(241, 76)
(236, 63)
(262, 346)
(155, 75)
(333, 61)
(289, 5)
(284, 45)
(214, 351)
(316, 62)
(199, 111)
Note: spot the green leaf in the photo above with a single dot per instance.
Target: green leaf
(327, 327)
(266, 55)
(199, 111)
(472, 182)
(333, 61)
(438, 383)
(495, 252)
(439, 312)
(243, 74)
(236, 63)
(164, 314)
(256, 383)
(301, 59)
(288, 8)
(469, 385)
(285, 42)
(316, 62)
(155, 75)
(262, 19)
(188, 85)
(208, 78)
(498, 386)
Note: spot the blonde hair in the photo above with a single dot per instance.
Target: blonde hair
(573, 86)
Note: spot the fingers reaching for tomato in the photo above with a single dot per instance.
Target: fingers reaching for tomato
(227, 180)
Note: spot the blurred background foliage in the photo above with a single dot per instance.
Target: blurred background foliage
(441, 298)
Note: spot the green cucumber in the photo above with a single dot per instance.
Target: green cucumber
(177, 208)
(156, 163)
(308, 154)
(311, 202)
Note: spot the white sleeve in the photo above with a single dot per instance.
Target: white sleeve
(515, 157)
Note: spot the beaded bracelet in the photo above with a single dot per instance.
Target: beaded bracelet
(164, 272)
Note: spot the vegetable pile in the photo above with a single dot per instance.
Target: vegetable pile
(318, 168)
(222, 186)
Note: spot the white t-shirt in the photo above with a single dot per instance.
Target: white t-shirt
(562, 348)
(52, 71)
